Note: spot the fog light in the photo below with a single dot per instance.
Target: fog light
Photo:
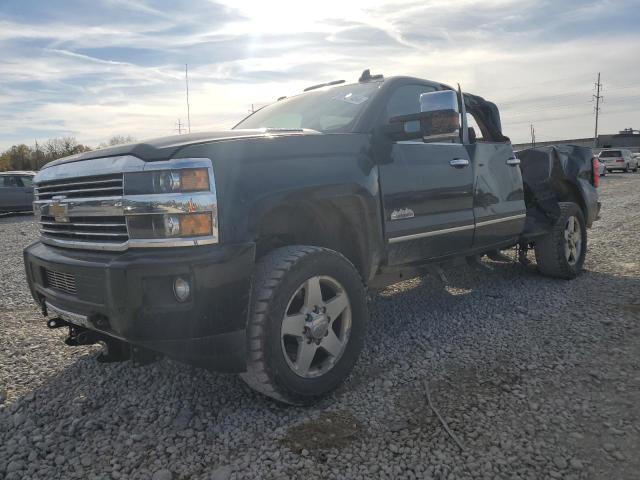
(181, 289)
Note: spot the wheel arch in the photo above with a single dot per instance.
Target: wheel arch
(567, 191)
(338, 225)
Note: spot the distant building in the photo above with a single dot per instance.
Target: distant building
(627, 138)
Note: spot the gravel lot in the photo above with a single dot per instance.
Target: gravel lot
(537, 378)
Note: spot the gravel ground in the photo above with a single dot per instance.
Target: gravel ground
(537, 378)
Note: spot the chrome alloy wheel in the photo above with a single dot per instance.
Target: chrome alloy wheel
(572, 240)
(316, 326)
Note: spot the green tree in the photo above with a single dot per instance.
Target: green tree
(23, 157)
(20, 157)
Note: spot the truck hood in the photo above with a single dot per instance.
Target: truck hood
(166, 147)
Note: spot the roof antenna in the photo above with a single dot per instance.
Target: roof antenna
(366, 76)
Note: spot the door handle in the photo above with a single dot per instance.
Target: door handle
(513, 161)
(459, 162)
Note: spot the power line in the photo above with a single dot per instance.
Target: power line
(514, 101)
(564, 117)
(186, 79)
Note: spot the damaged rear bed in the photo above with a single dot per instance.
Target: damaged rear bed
(557, 173)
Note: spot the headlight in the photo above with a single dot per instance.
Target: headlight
(166, 181)
(180, 225)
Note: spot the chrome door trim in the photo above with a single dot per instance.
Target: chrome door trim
(500, 220)
(445, 231)
(432, 233)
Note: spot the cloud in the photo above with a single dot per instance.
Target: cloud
(93, 69)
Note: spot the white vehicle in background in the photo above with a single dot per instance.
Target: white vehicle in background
(618, 159)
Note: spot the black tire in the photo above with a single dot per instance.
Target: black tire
(550, 250)
(277, 277)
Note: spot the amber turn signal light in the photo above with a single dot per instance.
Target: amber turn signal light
(195, 179)
(195, 224)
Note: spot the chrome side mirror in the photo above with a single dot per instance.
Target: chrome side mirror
(440, 121)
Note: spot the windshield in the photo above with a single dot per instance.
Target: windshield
(610, 153)
(332, 110)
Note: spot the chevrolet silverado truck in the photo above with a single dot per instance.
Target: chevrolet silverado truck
(252, 250)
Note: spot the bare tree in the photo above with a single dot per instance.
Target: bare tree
(117, 140)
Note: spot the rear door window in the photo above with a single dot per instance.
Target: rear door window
(611, 153)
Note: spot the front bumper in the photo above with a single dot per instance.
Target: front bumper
(129, 296)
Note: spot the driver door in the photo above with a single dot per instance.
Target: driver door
(427, 192)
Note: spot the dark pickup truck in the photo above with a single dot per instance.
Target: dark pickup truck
(252, 250)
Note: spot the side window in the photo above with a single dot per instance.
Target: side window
(8, 181)
(406, 100)
(27, 181)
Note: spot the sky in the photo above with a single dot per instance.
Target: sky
(97, 68)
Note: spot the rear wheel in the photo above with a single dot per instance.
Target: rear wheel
(307, 323)
(561, 252)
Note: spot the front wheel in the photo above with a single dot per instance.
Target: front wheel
(307, 323)
(562, 251)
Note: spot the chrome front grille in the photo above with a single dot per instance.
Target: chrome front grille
(81, 187)
(81, 227)
(88, 229)
(65, 282)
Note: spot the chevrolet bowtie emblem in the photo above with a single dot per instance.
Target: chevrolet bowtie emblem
(59, 211)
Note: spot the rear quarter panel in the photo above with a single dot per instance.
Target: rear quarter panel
(550, 174)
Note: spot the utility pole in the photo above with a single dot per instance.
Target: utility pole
(186, 78)
(37, 152)
(598, 97)
(252, 109)
(533, 136)
(179, 127)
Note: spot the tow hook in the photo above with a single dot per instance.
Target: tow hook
(83, 337)
(56, 323)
